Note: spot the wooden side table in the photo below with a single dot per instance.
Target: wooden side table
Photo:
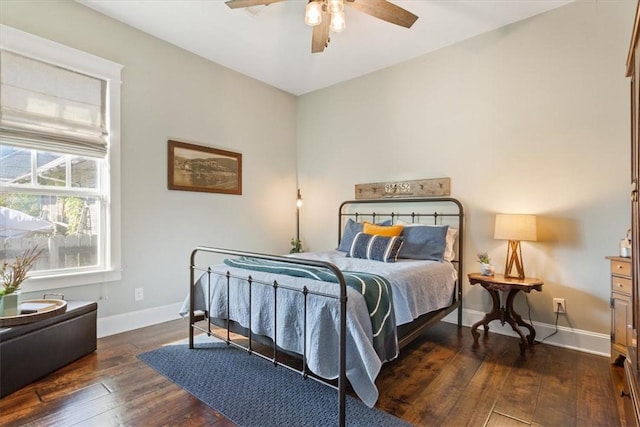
(494, 284)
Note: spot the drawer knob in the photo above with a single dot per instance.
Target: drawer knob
(619, 285)
(619, 266)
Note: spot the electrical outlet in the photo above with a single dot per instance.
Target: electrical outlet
(558, 305)
(138, 294)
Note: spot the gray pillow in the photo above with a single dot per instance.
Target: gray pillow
(351, 228)
(426, 243)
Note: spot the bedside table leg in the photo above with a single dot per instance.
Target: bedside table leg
(514, 320)
(532, 332)
(495, 313)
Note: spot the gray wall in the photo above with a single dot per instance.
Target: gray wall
(168, 93)
(529, 118)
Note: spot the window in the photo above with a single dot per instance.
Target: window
(59, 160)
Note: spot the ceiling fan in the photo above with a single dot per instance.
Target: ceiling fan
(328, 15)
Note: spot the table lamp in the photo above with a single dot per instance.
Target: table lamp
(515, 228)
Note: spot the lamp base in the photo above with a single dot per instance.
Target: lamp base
(514, 259)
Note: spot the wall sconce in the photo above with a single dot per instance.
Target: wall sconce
(515, 228)
(298, 206)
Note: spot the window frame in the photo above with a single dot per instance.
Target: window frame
(29, 45)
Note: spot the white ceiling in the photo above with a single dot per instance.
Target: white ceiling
(272, 44)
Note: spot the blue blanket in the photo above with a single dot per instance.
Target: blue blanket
(375, 289)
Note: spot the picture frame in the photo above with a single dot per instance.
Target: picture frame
(194, 167)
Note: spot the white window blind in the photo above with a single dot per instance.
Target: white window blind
(58, 107)
(43, 106)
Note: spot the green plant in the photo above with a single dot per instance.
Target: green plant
(72, 208)
(15, 273)
(483, 258)
(26, 203)
(296, 246)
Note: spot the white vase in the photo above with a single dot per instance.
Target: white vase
(486, 269)
(9, 305)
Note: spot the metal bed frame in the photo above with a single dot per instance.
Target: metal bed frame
(406, 334)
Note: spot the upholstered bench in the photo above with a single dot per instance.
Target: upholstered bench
(32, 351)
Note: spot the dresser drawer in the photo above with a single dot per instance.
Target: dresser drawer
(621, 284)
(621, 268)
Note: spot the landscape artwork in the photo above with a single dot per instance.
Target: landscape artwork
(198, 168)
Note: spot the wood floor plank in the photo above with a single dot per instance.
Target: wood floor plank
(439, 380)
(20, 402)
(559, 380)
(411, 374)
(479, 398)
(434, 402)
(168, 405)
(499, 420)
(524, 380)
(595, 404)
(90, 392)
(624, 403)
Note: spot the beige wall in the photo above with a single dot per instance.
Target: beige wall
(530, 118)
(168, 93)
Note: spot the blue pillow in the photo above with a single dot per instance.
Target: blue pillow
(351, 228)
(375, 247)
(426, 243)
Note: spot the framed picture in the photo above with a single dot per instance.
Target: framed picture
(199, 168)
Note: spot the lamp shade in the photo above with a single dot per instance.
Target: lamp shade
(335, 6)
(313, 13)
(338, 22)
(515, 227)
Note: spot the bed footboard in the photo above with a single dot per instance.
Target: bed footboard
(195, 315)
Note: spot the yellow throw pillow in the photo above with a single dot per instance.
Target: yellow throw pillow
(381, 230)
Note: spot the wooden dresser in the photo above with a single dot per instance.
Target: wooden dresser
(632, 362)
(621, 308)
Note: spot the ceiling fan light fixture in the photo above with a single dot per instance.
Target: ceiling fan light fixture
(313, 13)
(326, 16)
(335, 6)
(338, 22)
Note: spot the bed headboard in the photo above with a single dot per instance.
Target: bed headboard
(426, 210)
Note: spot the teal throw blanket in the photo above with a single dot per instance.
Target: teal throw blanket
(375, 289)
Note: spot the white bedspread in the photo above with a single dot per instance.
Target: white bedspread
(418, 287)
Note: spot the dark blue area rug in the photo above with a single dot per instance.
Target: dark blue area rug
(251, 392)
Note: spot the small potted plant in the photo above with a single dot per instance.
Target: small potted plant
(486, 269)
(296, 246)
(12, 277)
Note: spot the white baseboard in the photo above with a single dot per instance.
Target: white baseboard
(575, 339)
(118, 323)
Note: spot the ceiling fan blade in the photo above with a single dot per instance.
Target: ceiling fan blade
(382, 9)
(320, 38)
(235, 4)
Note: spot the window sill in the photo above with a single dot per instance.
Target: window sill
(37, 284)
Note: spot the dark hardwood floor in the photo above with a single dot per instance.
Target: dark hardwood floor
(439, 380)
